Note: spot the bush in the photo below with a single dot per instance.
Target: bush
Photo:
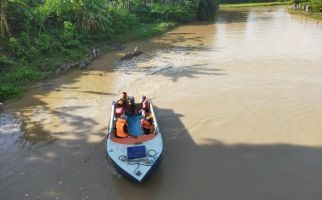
(15, 48)
(316, 5)
(7, 91)
(142, 11)
(46, 44)
(171, 12)
(24, 75)
(23, 48)
(69, 37)
(121, 19)
(73, 54)
(5, 62)
(207, 9)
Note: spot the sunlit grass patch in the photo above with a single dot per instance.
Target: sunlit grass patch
(252, 4)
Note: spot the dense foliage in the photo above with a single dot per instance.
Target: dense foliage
(37, 35)
(314, 5)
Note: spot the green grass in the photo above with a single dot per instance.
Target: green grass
(144, 31)
(252, 4)
(17, 76)
(314, 15)
(14, 80)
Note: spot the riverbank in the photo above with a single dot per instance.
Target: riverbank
(313, 15)
(21, 75)
(252, 4)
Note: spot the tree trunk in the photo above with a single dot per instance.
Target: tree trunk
(4, 21)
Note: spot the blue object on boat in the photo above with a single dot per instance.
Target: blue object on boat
(134, 122)
(136, 152)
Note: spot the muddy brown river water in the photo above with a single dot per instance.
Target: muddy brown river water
(239, 105)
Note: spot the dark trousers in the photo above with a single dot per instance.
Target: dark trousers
(146, 131)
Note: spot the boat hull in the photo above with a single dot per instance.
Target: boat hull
(136, 158)
(127, 175)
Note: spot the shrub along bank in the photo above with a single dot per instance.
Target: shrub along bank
(310, 8)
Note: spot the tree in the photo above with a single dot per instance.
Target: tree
(4, 26)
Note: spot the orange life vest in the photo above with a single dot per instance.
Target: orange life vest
(120, 123)
(145, 122)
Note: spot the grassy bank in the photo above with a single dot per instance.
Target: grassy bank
(144, 31)
(252, 4)
(313, 15)
(20, 75)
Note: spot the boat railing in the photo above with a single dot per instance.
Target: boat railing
(110, 128)
(155, 120)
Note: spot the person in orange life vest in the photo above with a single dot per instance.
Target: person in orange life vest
(119, 110)
(147, 123)
(122, 127)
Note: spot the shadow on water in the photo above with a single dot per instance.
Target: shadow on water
(87, 91)
(38, 164)
(187, 72)
(34, 118)
(182, 38)
(174, 73)
(214, 170)
(227, 16)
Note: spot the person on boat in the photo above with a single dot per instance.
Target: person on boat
(147, 123)
(124, 98)
(126, 102)
(145, 105)
(119, 110)
(132, 107)
(122, 127)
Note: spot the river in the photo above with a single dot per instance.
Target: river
(239, 103)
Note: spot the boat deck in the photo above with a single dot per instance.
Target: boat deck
(132, 140)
